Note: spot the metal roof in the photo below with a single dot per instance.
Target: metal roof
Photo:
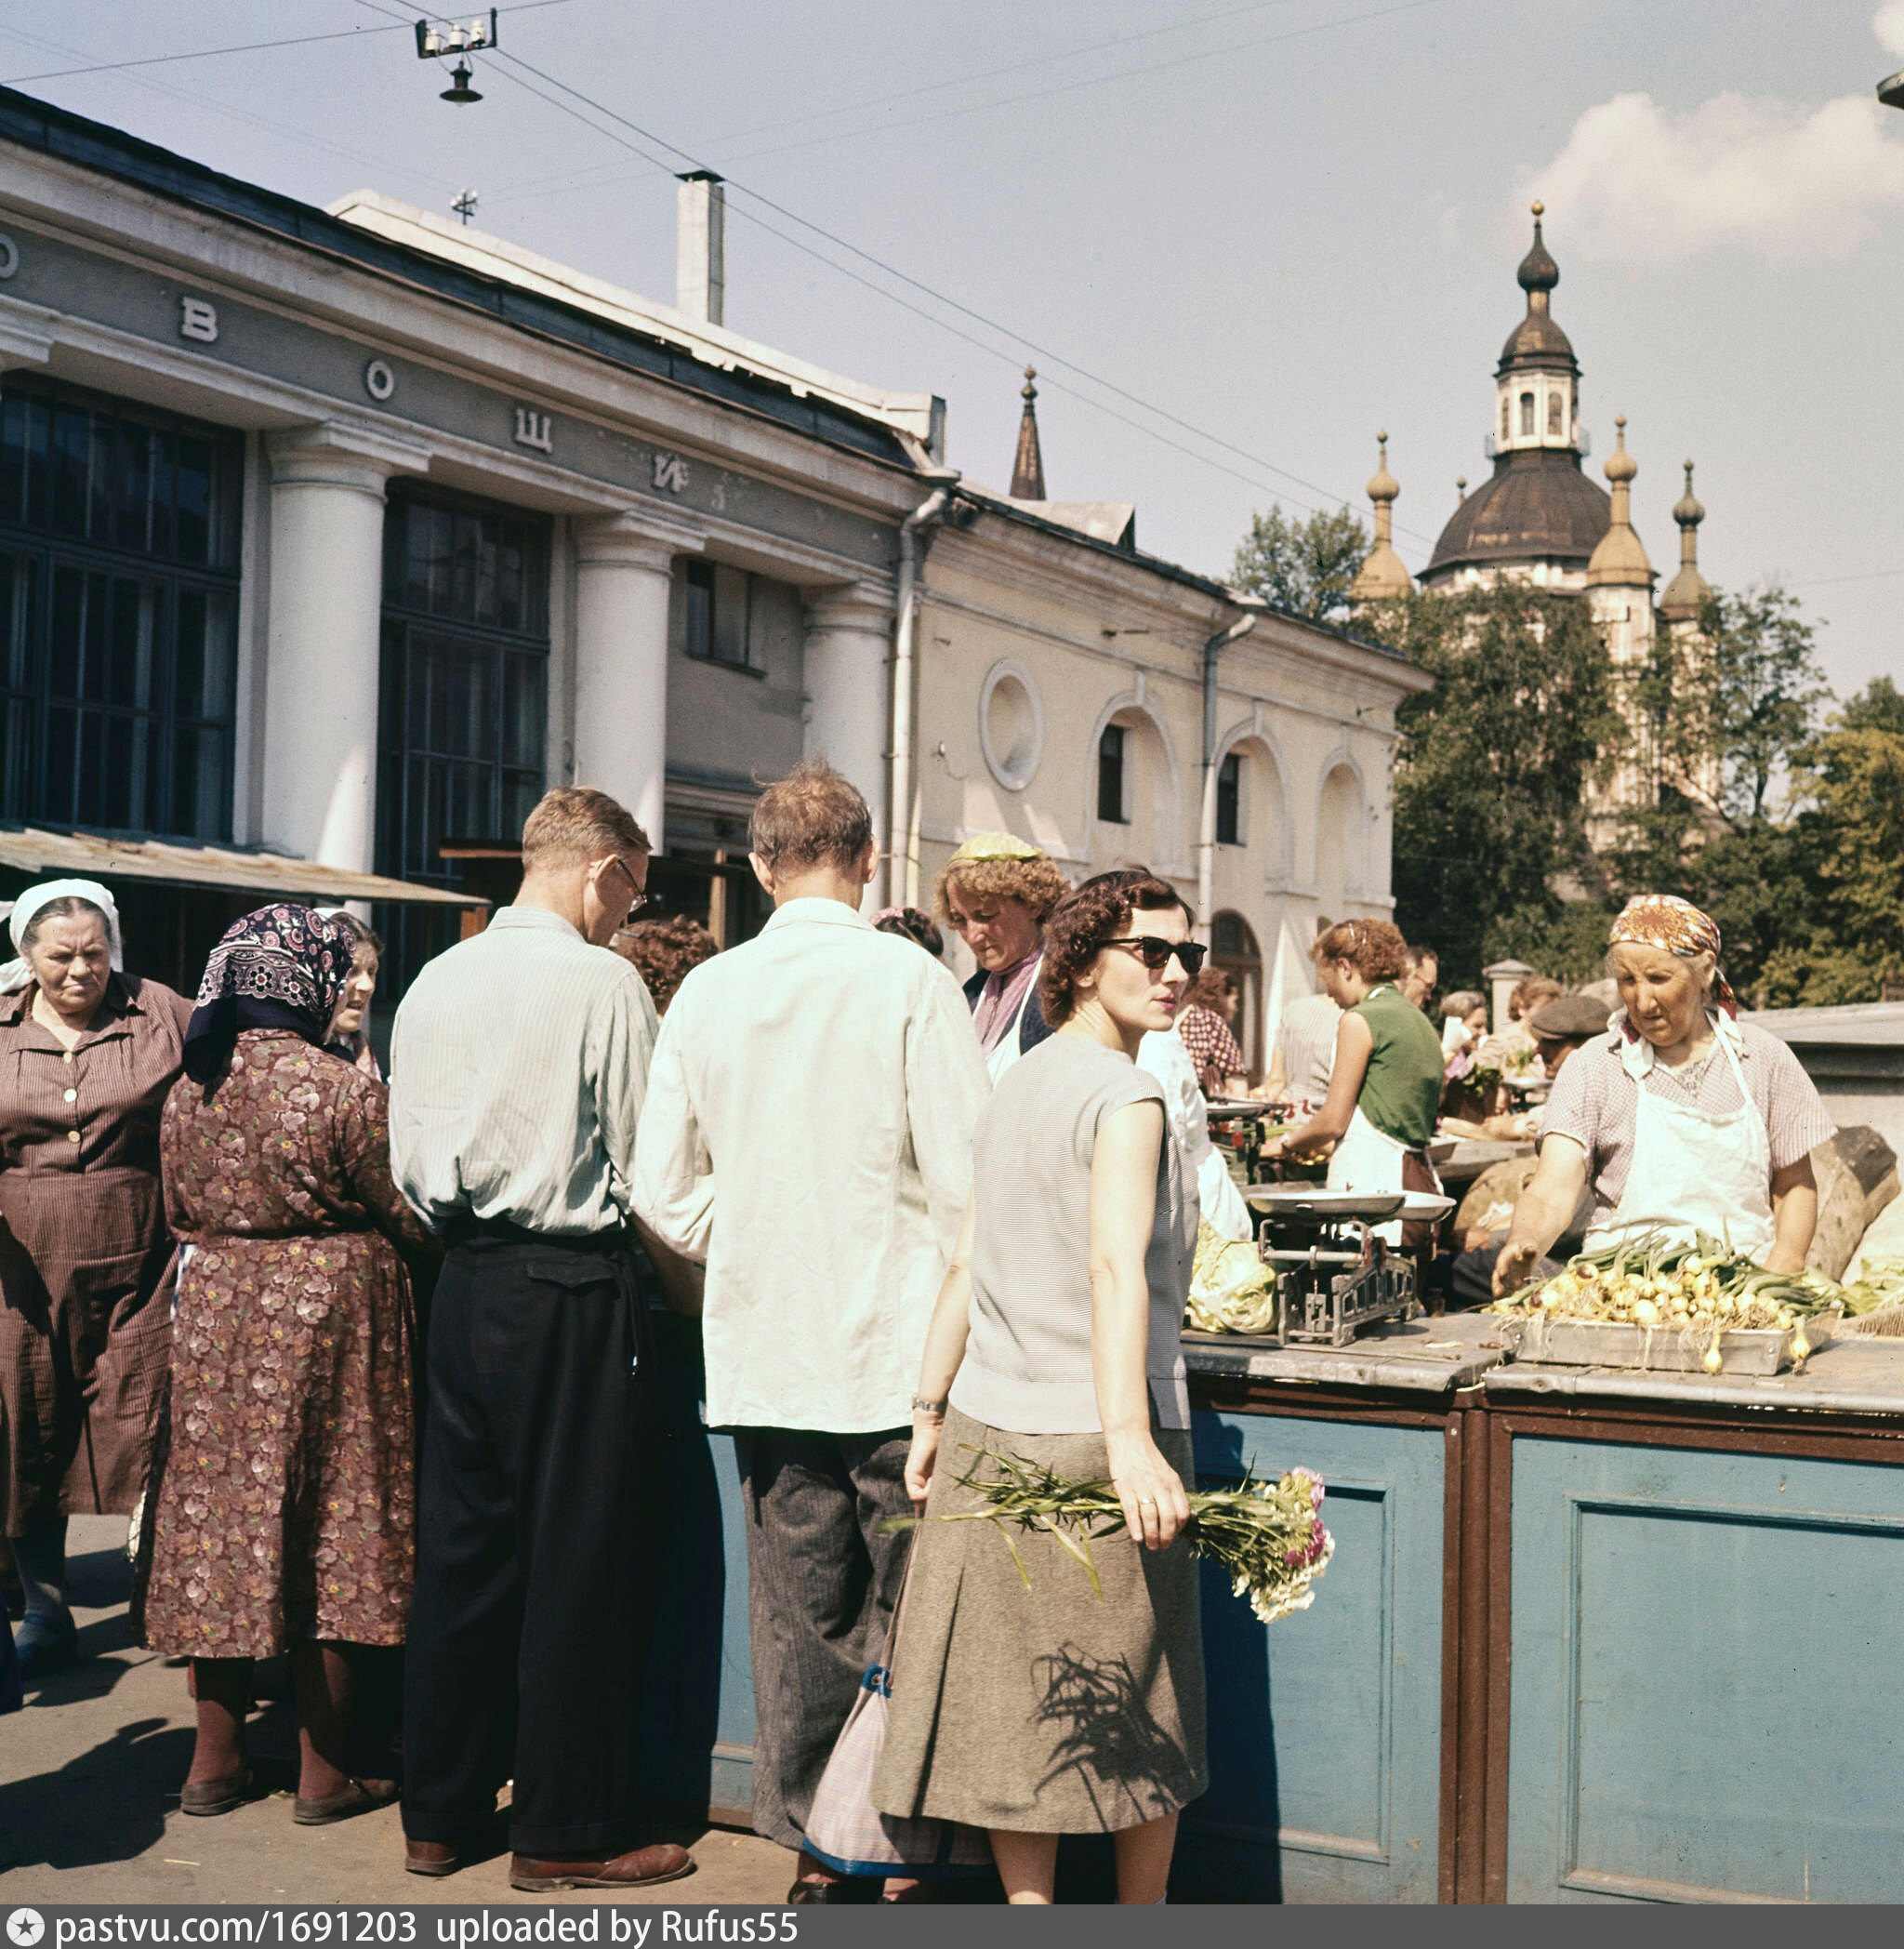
(31, 850)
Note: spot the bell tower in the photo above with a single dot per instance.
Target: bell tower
(1537, 385)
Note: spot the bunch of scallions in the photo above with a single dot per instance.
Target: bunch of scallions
(1267, 1537)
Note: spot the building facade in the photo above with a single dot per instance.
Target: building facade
(338, 535)
(345, 533)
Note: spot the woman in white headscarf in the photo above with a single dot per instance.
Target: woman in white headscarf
(87, 1054)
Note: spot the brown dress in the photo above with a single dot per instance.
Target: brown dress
(286, 1511)
(85, 1288)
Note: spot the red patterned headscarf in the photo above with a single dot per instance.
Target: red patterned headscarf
(1666, 921)
(280, 967)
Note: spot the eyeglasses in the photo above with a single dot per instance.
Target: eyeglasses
(637, 899)
(1158, 952)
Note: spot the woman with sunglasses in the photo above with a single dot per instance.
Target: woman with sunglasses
(1057, 1338)
(1385, 1089)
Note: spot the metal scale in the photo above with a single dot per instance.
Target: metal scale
(1334, 1277)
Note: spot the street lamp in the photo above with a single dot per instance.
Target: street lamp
(1891, 89)
(456, 37)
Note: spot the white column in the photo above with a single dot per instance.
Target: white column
(848, 644)
(323, 657)
(624, 574)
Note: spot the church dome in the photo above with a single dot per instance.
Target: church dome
(1536, 340)
(1537, 506)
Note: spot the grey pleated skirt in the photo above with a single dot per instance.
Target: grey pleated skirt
(1047, 1710)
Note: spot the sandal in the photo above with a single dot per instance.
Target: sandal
(213, 1797)
(357, 1796)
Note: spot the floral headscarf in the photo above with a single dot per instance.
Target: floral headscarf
(1676, 926)
(280, 967)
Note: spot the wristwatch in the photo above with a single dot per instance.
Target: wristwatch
(921, 1406)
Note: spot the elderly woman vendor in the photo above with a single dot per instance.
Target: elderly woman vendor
(1682, 1119)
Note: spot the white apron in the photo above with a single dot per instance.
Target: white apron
(1693, 1171)
(1005, 1050)
(1369, 1160)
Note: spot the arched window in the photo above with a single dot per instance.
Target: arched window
(1526, 414)
(1557, 413)
(1506, 424)
(1233, 949)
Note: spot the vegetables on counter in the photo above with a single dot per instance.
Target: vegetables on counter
(1231, 1290)
(1703, 1289)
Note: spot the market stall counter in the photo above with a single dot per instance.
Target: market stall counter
(1587, 1635)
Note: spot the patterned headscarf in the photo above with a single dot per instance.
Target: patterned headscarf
(1676, 926)
(280, 967)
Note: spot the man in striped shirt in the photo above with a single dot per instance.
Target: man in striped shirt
(519, 1064)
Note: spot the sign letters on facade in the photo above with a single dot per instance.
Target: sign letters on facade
(670, 473)
(198, 319)
(536, 430)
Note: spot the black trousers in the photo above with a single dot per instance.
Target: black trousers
(823, 1577)
(525, 1654)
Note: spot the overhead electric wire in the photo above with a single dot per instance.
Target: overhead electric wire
(569, 177)
(992, 324)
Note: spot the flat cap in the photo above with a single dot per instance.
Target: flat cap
(1574, 1018)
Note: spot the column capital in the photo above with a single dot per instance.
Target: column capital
(864, 608)
(341, 452)
(635, 539)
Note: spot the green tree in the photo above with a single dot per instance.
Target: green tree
(1733, 709)
(1848, 848)
(1305, 567)
(1494, 766)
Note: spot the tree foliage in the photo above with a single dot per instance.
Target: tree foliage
(1305, 567)
(1494, 766)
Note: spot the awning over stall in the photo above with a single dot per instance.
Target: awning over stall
(222, 867)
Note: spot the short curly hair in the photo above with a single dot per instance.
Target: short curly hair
(1036, 884)
(665, 952)
(1374, 948)
(1098, 911)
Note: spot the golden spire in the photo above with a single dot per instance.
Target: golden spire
(1621, 557)
(1383, 574)
(1688, 592)
(1028, 466)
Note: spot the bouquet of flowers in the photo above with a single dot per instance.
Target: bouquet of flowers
(1268, 1537)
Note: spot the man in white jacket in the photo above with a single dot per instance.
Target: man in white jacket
(808, 1134)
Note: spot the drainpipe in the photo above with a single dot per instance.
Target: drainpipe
(1206, 837)
(900, 861)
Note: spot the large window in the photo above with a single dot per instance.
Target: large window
(118, 614)
(464, 714)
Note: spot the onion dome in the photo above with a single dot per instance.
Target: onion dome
(1688, 592)
(1536, 340)
(1620, 558)
(1383, 575)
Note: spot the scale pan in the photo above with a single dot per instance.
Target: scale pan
(1313, 1205)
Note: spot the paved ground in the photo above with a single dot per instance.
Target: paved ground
(89, 1778)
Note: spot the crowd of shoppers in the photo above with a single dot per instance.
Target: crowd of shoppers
(379, 1361)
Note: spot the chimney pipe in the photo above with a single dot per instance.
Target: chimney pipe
(700, 247)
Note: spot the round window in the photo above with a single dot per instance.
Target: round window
(1011, 724)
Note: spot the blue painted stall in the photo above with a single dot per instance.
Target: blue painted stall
(1586, 1636)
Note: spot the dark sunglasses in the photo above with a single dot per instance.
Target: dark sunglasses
(1157, 953)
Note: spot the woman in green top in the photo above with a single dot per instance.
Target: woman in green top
(1385, 1087)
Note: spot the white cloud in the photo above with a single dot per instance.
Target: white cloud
(1888, 24)
(1639, 181)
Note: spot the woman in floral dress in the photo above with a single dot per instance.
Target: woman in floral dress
(286, 1512)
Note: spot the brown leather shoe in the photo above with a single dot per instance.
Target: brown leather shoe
(639, 1867)
(436, 1858)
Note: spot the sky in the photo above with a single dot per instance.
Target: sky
(1235, 239)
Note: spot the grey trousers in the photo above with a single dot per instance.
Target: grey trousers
(822, 1579)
